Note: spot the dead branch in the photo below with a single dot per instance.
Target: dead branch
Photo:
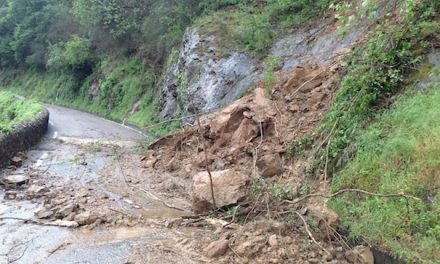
(398, 195)
(310, 234)
(233, 251)
(22, 253)
(157, 198)
(61, 246)
(199, 124)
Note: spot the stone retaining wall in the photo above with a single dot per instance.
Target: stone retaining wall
(22, 137)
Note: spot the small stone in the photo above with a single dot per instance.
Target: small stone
(62, 223)
(313, 260)
(282, 253)
(217, 248)
(37, 189)
(103, 196)
(10, 195)
(188, 168)
(15, 179)
(66, 210)
(17, 161)
(149, 163)
(44, 213)
(273, 242)
(83, 192)
(85, 218)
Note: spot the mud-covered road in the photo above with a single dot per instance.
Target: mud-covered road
(75, 177)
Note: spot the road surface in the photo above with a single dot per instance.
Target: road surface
(77, 161)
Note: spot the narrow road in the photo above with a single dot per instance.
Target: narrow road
(75, 170)
(66, 122)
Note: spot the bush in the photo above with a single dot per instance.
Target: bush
(74, 54)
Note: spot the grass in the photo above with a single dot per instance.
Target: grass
(14, 111)
(398, 153)
(251, 26)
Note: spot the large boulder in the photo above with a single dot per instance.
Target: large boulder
(229, 188)
(270, 165)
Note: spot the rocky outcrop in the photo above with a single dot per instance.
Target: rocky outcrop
(212, 76)
(319, 46)
(23, 137)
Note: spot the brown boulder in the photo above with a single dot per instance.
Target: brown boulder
(229, 188)
(217, 248)
(360, 255)
(270, 165)
(201, 163)
(325, 220)
(247, 131)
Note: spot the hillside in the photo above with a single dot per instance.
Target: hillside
(300, 119)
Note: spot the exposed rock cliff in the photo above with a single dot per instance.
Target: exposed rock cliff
(214, 77)
(209, 74)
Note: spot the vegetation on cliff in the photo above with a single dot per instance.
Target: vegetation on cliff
(381, 150)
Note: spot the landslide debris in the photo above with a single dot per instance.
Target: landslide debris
(254, 169)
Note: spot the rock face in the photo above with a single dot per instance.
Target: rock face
(229, 188)
(211, 78)
(315, 46)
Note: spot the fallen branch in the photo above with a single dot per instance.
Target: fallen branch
(22, 253)
(353, 191)
(199, 124)
(30, 221)
(310, 233)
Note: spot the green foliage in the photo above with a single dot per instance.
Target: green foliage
(298, 149)
(397, 154)
(14, 111)
(74, 55)
(23, 25)
(255, 32)
(270, 77)
(251, 25)
(375, 72)
(281, 192)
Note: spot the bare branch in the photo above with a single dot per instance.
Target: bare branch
(353, 191)
(310, 234)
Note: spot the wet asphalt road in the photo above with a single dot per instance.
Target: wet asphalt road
(27, 243)
(66, 122)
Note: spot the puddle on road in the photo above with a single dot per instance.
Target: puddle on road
(106, 246)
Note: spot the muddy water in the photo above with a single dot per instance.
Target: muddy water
(75, 152)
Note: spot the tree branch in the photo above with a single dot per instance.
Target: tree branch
(353, 191)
